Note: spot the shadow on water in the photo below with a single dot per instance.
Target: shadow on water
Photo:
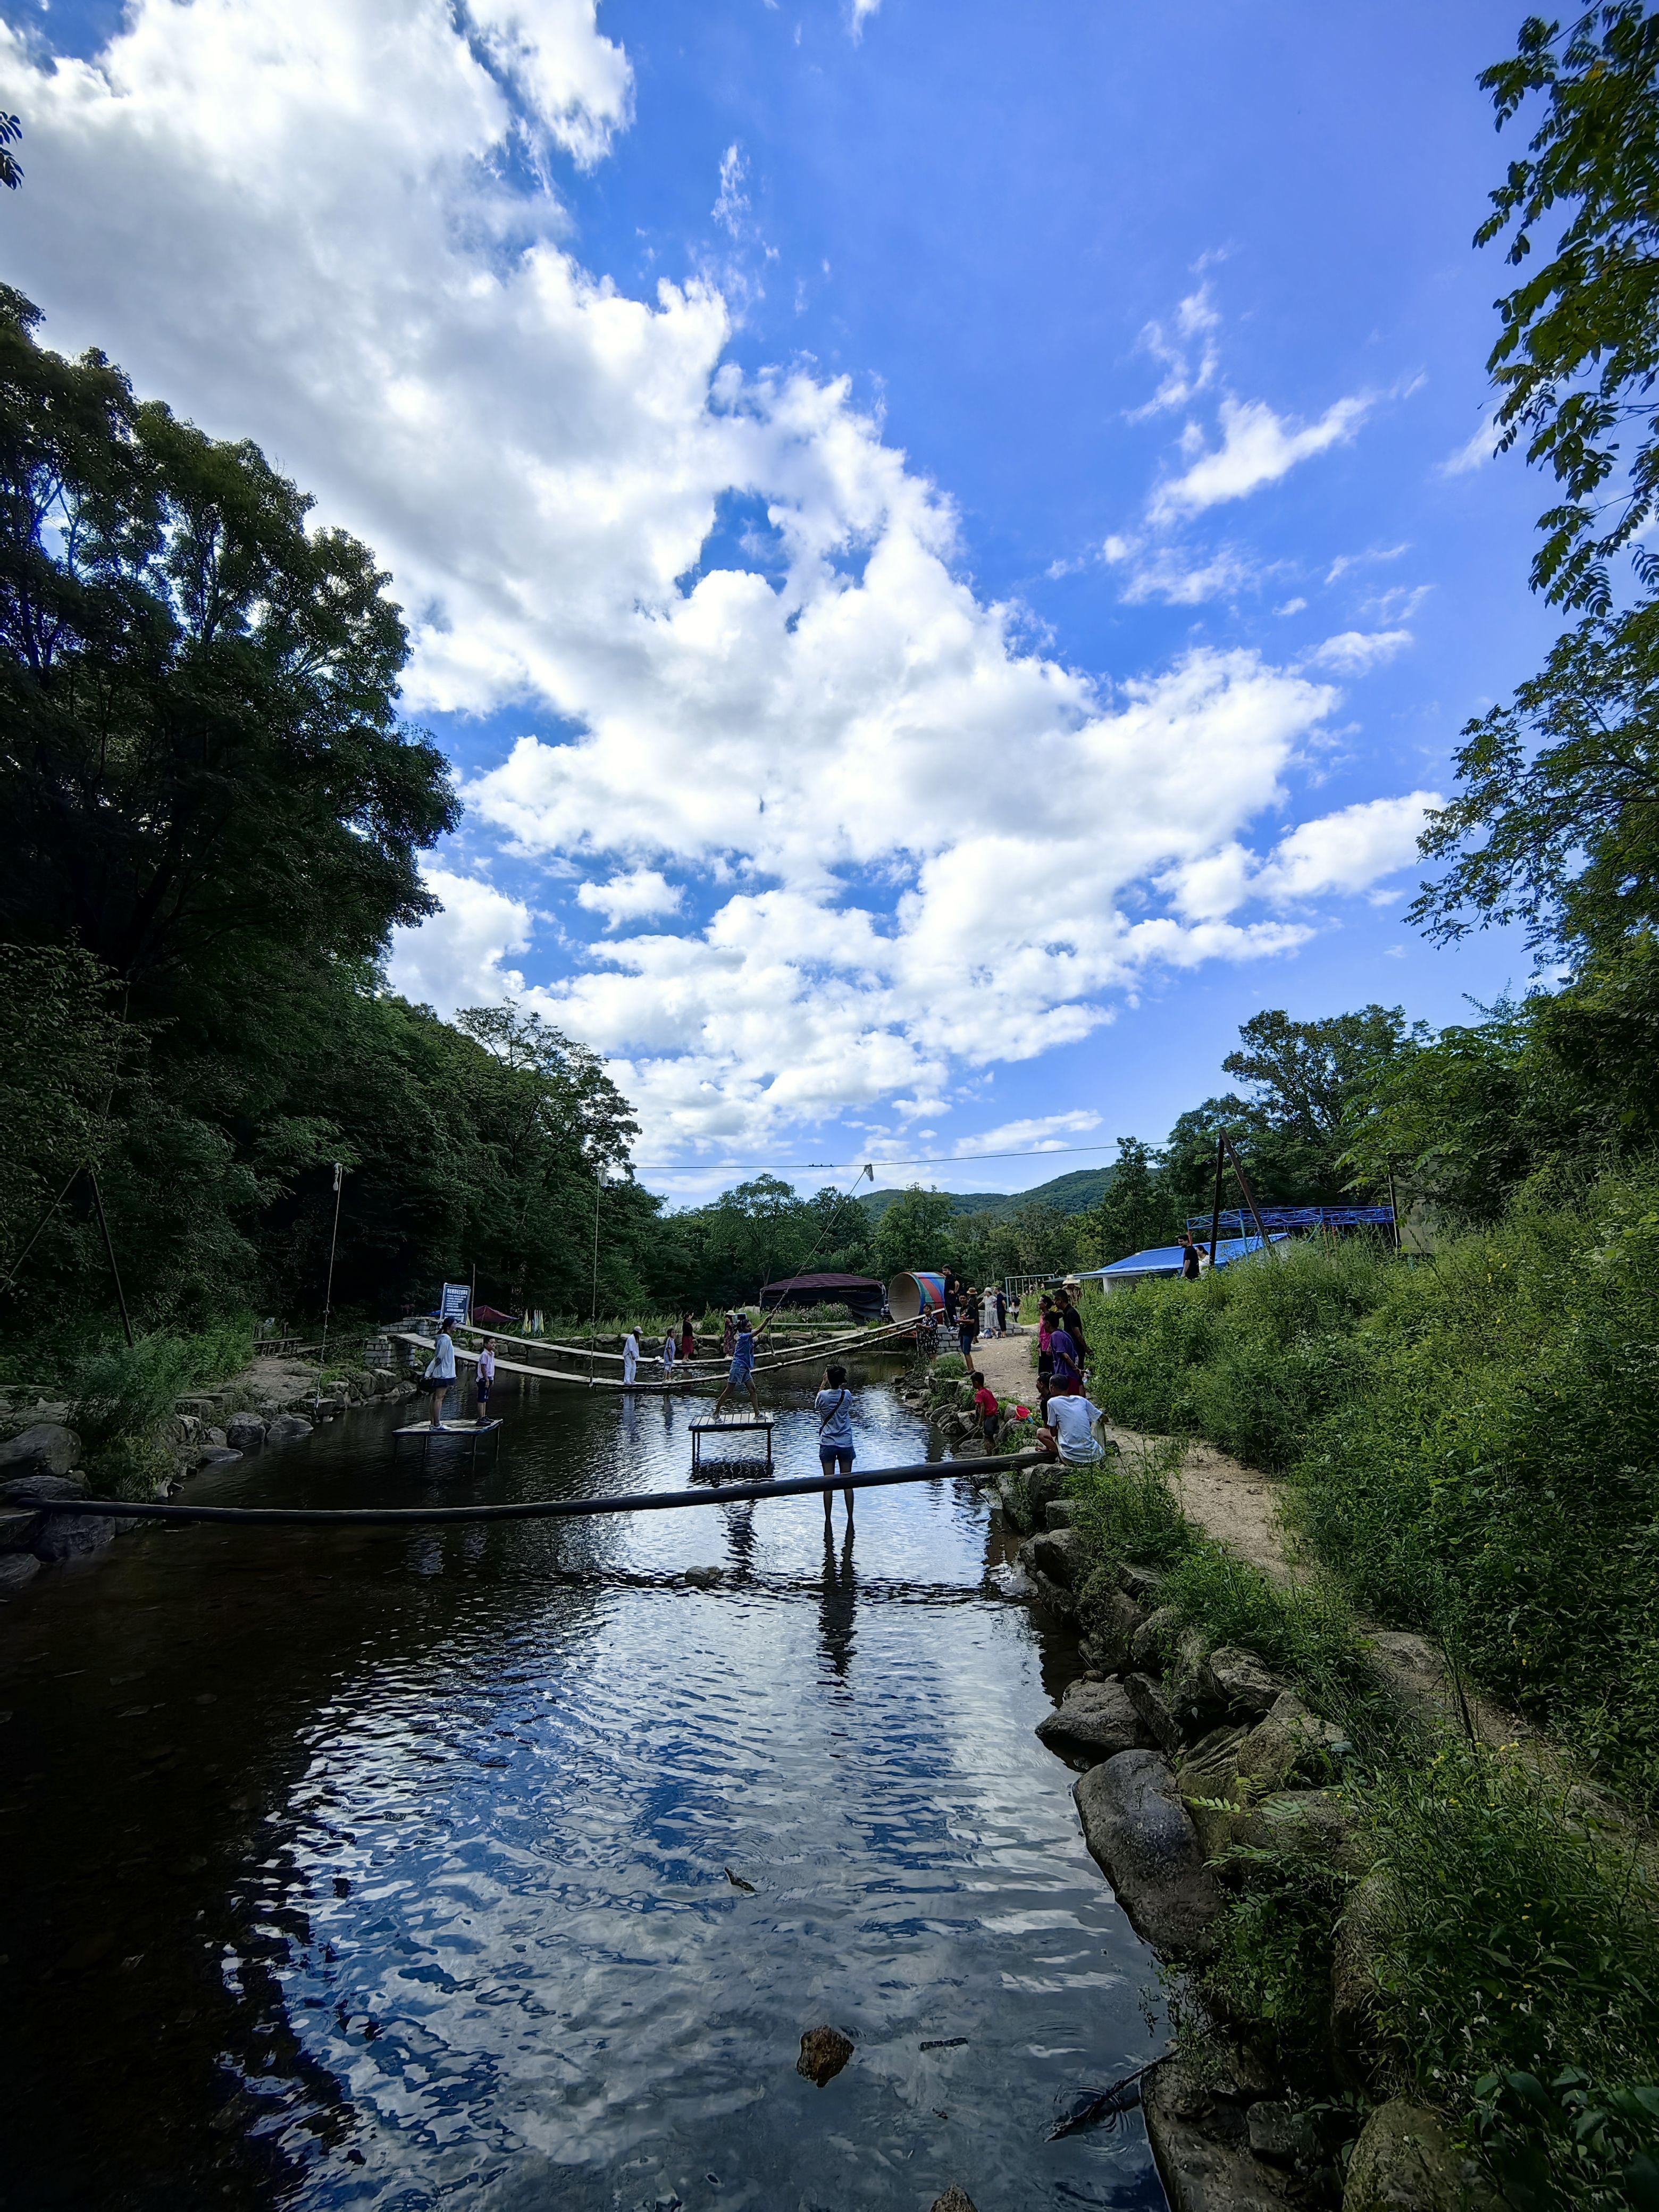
(376, 1869)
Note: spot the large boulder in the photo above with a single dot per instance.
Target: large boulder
(1142, 1836)
(38, 1489)
(1205, 2167)
(286, 1427)
(73, 1536)
(1114, 1619)
(1213, 1791)
(1406, 2160)
(1060, 1513)
(1156, 1716)
(1238, 1681)
(243, 1431)
(1057, 1554)
(1314, 1822)
(45, 1448)
(19, 1528)
(1154, 1632)
(17, 1570)
(1093, 1721)
(1288, 1735)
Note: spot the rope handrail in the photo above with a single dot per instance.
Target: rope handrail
(538, 1509)
(804, 1355)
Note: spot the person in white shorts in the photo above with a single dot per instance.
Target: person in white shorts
(1069, 1432)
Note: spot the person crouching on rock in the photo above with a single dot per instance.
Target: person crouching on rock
(985, 1406)
(1068, 1431)
(833, 1407)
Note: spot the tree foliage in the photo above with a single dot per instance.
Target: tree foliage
(1578, 353)
(215, 820)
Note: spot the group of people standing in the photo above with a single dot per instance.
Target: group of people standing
(1068, 1416)
(973, 1313)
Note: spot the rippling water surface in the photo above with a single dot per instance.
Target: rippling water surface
(396, 1870)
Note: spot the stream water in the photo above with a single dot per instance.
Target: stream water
(375, 1868)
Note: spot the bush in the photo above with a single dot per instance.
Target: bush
(1473, 1444)
(1522, 1950)
(121, 1396)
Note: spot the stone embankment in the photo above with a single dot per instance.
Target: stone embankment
(275, 1402)
(1184, 1750)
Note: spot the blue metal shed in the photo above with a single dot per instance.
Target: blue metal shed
(1164, 1259)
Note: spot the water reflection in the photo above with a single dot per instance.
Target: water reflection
(370, 1868)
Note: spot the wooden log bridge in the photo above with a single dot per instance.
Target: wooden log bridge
(542, 1508)
(685, 1372)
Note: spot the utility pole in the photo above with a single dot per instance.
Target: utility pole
(109, 1248)
(328, 1294)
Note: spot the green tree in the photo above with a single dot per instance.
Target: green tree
(1137, 1208)
(1577, 357)
(915, 1231)
(203, 769)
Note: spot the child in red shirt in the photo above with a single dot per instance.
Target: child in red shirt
(985, 1402)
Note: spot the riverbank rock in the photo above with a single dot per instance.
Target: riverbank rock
(1114, 1619)
(1277, 1744)
(216, 1455)
(33, 1489)
(1059, 1513)
(1093, 1721)
(286, 1427)
(1142, 1836)
(243, 1431)
(1156, 1718)
(73, 1536)
(1314, 1822)
(1206, 2165)
(46, 1449)
(18, 1528)
(17, 1570)
(823, 2053)
(1406, 2160)
(954, 2200)
(1156, 1629)
(1241, 1682)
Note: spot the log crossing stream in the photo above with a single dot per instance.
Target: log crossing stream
(505, 1864)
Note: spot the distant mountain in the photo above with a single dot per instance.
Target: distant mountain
(1069, 1194)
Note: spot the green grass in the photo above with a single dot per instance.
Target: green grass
(1473, 1446)
(1523, 1944)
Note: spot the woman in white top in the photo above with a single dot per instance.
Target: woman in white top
(631, 1358)
(440, 1371)
(833, 1407)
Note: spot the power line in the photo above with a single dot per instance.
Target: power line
(799, 1167)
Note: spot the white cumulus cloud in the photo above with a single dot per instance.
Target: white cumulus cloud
(926, 846)
(631, 898)
(1348, 851)
(1257, 447)
(1355, 652)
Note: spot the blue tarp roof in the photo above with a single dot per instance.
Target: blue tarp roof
(1165, 1258)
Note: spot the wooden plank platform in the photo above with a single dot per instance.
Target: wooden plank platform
(702, 1430)
(454, 1440)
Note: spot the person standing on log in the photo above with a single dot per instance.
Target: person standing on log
(670, 1347)
(687, 1338)
(631, 1358)
(483, 1381)
(742, 1377)
(833, 1407)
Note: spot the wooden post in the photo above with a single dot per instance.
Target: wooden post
(1244, 1185)
(1215, 1216)
(109, 1248)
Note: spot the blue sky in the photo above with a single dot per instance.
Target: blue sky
(923, 679)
